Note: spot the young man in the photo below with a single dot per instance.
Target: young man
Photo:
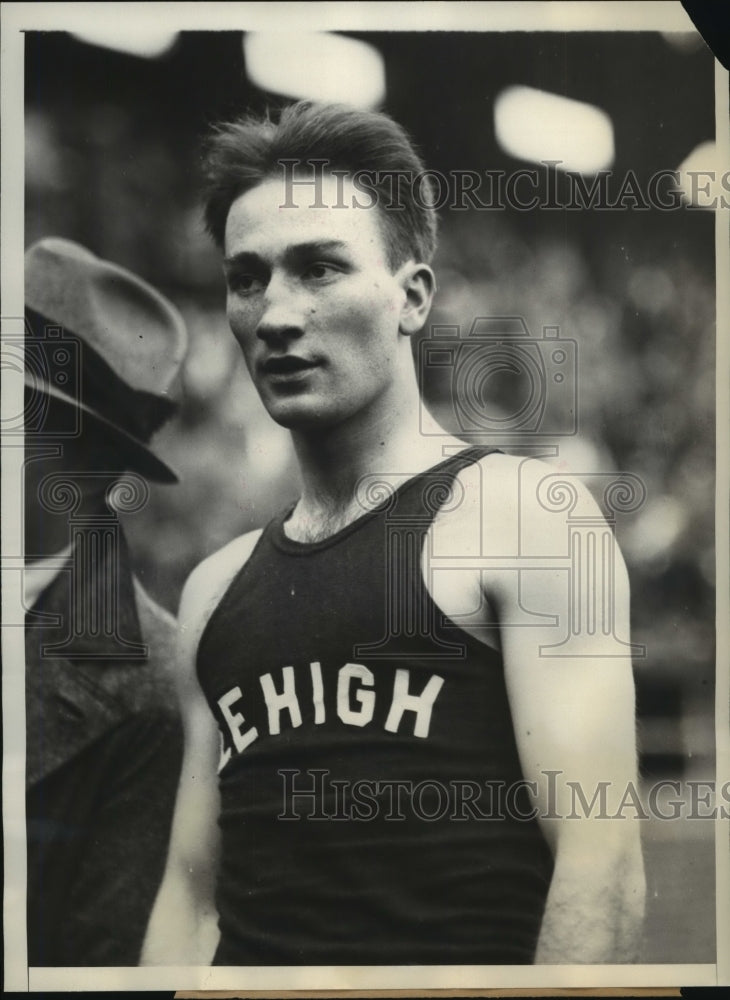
(374, 756)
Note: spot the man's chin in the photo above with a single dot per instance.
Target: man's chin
(301, 415)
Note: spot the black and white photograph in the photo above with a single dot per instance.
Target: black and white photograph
(365, 497)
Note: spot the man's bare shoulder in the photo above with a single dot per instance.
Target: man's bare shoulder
(500, 484)
(504, 504)
(504, 472)
(210, 579)
(518, 484)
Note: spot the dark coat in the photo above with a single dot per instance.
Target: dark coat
(104, 748)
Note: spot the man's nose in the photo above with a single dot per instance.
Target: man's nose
(281, 318)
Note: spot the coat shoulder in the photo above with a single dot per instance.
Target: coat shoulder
(158, 628)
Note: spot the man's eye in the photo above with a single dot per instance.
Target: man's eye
(245, 284)
(320, 270)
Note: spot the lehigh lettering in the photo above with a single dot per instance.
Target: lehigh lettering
(404, 701)
(364, 714)
(355, 698)
(234, 721)
(276, 702)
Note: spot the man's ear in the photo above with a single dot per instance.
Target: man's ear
(419, 284)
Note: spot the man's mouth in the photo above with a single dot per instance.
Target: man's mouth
(288, 364)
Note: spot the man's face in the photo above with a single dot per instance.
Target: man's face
(313, 304)
(77, 470)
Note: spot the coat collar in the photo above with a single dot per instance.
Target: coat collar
(83, 653)
(88, 610)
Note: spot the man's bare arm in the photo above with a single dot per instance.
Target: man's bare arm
(574, 721)
(595, 906)
(183, 926)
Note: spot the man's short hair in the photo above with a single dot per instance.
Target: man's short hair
(243, 153)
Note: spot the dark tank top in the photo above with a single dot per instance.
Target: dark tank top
(372, 804)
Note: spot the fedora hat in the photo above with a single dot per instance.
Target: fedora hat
(101, 345)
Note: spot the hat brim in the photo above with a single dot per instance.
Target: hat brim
(137, 456)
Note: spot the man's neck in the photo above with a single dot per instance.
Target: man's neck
(334, 464)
